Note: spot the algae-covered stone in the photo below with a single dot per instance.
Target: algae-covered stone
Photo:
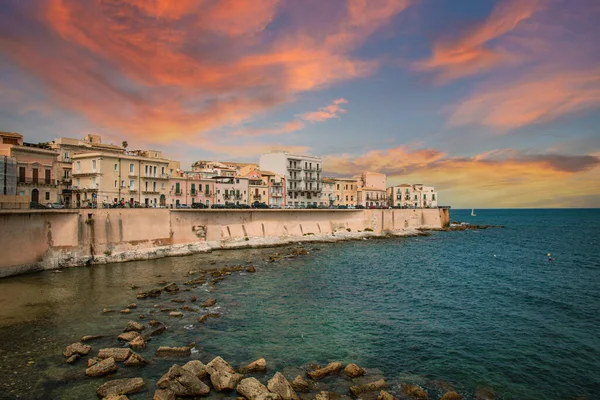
(329, 369)
(259, 365)
(104, 367)
(77, 348)
(353, 370)
(182, 382)
(368, 387)
(120, 386)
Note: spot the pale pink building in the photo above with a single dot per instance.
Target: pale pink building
(189, 188)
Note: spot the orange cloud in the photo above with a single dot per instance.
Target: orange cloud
(537, 98)
(333, 110)
(472, 53)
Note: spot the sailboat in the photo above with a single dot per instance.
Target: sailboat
(473, 213)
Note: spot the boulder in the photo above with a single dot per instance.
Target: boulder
(252, 389)
(182, 382)
(368, 387)
(76, 348)
(209, 315)
(155, 292)
(107, 310)
(118, 353)
(104, 367)
(197, 368)
(330, 368)
(137, 343)
(451, 395)
(279, 385)
(209, 302)
(132, 305)
(72, 359)
(129, 336)
(383, 395)
(300, 384)
(251, 269)
(189, 308)
(174, 351)
(120, 386)
(125, 311)
(134, 326)
(141, 295)
(193, 298)
(92, 361)
(354, 371)
(259, 365)
(218, 364)
(222, 375)
(135, 360)
(171, 287)
(163, 394)
(176, 314)
(159, 328)
(413, 391)
(87, 338)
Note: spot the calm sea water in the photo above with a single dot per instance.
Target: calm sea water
(471, 309)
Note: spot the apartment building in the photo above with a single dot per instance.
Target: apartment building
(137, 178)
(34, 168)
(231, 190)
(258, 188)
(302, 174)
(190, 188)
(328, 196)
(371, 190)
(276, 194)
(345, 191)
(210, 169)
(412, 196)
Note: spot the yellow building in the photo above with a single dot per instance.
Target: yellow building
(345, 191)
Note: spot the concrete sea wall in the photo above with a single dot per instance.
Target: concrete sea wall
(33, 240)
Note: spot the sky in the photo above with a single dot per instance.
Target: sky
(495, 103)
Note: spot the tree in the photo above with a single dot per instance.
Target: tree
(124, 144)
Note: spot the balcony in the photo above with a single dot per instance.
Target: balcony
(150, 191)
(90, 173)
(296, 179)
(132, 174)
(133, 190)
(157, 176)
(257, 197)
(296, 168)
(26, 181)
(178, 192)
(86, 188)
(193, 193)
(310, 179)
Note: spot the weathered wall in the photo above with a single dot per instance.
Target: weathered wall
(38, 239)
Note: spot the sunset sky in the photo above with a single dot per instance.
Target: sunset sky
(496, 103)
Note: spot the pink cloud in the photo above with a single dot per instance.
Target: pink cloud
(330, 111)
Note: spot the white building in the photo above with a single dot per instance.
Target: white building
(231, 190)
(412, 196)
(302, 173)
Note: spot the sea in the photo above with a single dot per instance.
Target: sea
(510, 312)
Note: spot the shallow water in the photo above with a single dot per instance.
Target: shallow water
(470, 309)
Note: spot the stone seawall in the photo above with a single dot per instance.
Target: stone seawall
(33, 240)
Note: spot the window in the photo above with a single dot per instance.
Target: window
(433, 197)
(93, 165)
(66, 173)
(79, 182)
(21, 174)
(35, 175)
(193, 188)
(162, 170)
(47, 195)
(131, 168)
(146, 170)
(93, 181)
(177, 187)
(154, 186)
(78, 165)
(155, 171)
(146, 186)
(47, 176)
(115, 183)
(131, 183)
(237, 181)
(207, 189)
(116, 167)
(162, 185)
(66, 156)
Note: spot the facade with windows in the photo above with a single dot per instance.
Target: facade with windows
(412, 196)
(303, 176)
(328, 195)
(276, 195)
(189, 188)
(231, 190)
(258, 189)
(345, 191)
(371, 190)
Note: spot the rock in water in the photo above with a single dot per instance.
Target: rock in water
(118, 353)
(174, 351)
(87, 338)
(73, 358)
(383, 395)
(354, 371)
(209, 315)
(160, 328)
(171, 287)
(300, 384)
(413, 391)
(251, 269)
(222, 375)
(368, 387)
(209, 302)
(182, 382)
(451, 395)
(121, 386)
(163, 394)
(104, 367)
(330, 368)
(129, 336)
(259, 365)
(92, 361)
(218, 364)
(197, 368)
(137, 343)
(252, 389)
(135, 360)
(76, 348)
(279, 385)
(176, 314)
(116, 397)
(134, 326)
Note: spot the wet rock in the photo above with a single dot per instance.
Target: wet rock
(115, 397)
(160, 328)
(134, 326)
(141, 295)
(197, 368)
(209, 315)
(209, 302)
(173, 351)
(259, 365)
(155, 292)
(182, 382)
(251, 269)
(218, 364)
(133, 287)
(128, 336)
(118, 353)
(188, 308)
(451, 395)
(329, 369)
(87, 338)
(104, 367)
(485, 393)
(222, 375)
(300, 384)
(163, 394)
(368, 387)
(383, 395)
(154, 323)
(107, 310)
(141, 316)
(125, 311)
(279, 385)
(413, 391)
(176, 314)
(167, 309)
(194, 298)
(354, 371)
(138, 343)
(121, 386)
(252, 389)
(72, 359)
(135, 360)
(92, 361)
(77, 348)
(171, 287)
(132, 305)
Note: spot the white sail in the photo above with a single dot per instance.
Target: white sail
(473, 212)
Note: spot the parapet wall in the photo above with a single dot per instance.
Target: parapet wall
(33, 240)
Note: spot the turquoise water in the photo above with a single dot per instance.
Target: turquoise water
(471, 309)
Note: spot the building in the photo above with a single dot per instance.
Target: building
(34, 168)
(328, 195)
(302, 174)
(258, 188)
(276, 188)
(190, 188)
(241, 169)
(8, 176)
(412, 196)
(372, 189)
(211, 169)
(345, 191)
(231, 190)
(137, 178)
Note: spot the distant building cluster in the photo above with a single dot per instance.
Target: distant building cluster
(74, 173)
